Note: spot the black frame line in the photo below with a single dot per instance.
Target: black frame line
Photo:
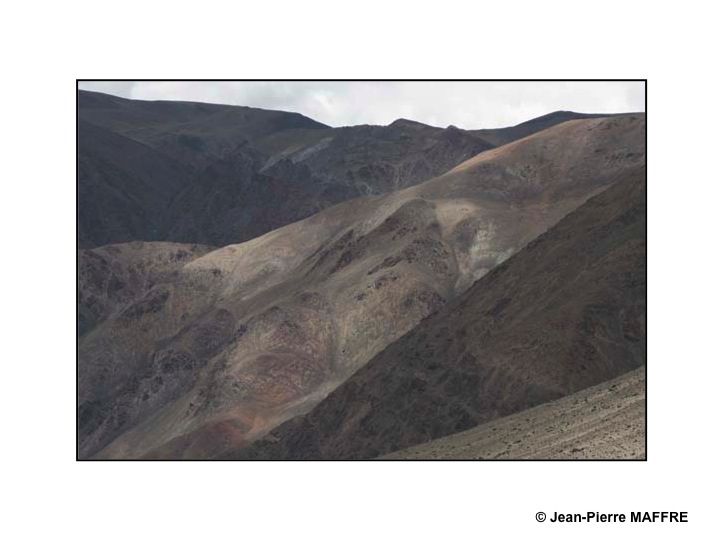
(77, 269)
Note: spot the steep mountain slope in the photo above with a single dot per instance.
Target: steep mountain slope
(606, 421)
(565, 313)
(252, 334)
(219, 174)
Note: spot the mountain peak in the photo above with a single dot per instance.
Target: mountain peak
(404, 122)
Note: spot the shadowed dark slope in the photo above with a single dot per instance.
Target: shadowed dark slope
(141, 162)
(121, 185)
(194, 134)
(566, 312)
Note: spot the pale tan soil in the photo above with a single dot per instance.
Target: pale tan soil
(606, 421)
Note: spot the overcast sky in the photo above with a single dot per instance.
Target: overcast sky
(469, 105)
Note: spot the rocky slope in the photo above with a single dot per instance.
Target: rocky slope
(606, 421)
(249, 335)
(114, 276)
(565, 313)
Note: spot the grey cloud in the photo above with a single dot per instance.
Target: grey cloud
(469, 105)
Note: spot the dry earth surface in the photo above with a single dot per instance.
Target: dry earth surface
(606, 421)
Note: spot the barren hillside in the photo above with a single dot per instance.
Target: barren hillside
(606, 421)
(565, 313)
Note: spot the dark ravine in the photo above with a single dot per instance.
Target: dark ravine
(565, 313)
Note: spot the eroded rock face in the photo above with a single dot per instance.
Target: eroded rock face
(111, 278)
(250, 335)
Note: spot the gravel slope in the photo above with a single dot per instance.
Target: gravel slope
(606, 421)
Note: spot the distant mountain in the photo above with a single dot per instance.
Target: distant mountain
(121, 185)
(224, 348)
(565, 313)
(191, 133)
(139, 160)
(220, 174)
(226, 174)
(500, 136)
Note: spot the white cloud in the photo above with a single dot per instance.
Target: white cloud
(469, 105)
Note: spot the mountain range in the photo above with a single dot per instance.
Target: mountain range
(218, 175)
(253, 284)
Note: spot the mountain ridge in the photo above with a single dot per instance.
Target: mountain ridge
(234, 173)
